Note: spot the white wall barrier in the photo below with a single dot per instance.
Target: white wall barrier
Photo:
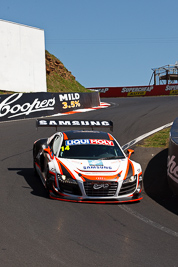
(22, 58)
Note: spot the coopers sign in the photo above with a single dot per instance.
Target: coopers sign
(30, 105)
(12, 106)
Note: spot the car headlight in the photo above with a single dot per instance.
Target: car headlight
(66, 180)
(130, 179)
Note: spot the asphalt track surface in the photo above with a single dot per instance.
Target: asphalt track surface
(37, 231)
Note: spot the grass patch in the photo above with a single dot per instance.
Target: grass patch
(5, 92)
(56, 84)
(159, 139)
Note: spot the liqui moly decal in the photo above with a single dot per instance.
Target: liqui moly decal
(11, 107)
(101, 142)
(172, 168)
(89, 141)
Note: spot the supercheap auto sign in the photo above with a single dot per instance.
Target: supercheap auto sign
(153, 90)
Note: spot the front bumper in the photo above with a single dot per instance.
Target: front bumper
(114, 193)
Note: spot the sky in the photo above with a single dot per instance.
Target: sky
(104, 43)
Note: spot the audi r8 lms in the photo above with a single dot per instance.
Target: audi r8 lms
(86, 165)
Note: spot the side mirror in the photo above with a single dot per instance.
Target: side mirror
(130, 152)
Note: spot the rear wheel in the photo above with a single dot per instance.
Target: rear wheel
(34, 165)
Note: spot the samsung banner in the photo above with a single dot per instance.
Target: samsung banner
(30, 105)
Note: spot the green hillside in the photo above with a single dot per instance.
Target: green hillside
(59, 79)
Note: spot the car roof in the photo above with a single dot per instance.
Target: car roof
(81, 134)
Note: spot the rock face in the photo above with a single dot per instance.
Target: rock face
(55, 66)
(58, 78)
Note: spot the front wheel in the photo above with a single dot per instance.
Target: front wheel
(34, 167)
(49, 180)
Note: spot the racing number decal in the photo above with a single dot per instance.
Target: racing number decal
(65, 148)
(71, 104)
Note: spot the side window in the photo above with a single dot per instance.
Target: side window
(56, 144)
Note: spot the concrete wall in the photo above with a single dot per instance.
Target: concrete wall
(22, 58)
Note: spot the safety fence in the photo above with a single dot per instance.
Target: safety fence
(152, 90)
(31, 105)
(172, 163)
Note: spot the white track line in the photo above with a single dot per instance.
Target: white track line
(131, 211)
(136, 140)
(148, 221)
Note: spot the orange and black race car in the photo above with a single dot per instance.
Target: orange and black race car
(86, 166)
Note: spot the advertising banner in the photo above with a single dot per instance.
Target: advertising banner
(31, 105)
(172, 163)
(152, 90)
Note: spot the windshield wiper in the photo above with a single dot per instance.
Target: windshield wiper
(113, 157)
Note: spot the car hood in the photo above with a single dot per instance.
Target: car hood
(95, 169)
(97, 165)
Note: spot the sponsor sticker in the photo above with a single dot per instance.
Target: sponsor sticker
(95, 162)
(77, 142)
(97, 167)
(173, 92)
(137, 93)
(101, 142)
(89, 141)
(172, 168)
(100, 186)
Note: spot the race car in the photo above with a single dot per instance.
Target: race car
(86, 165)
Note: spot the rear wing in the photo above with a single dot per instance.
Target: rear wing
(74, 123)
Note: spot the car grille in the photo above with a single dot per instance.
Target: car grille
(100, 189)
(128, 188)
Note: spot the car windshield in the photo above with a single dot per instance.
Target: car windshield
(90, 149)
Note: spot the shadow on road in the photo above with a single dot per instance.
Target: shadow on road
(32, 180)
(155, 182)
